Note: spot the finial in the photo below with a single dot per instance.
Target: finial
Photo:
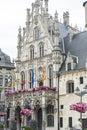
(19, 30)
(19, 34)
(56, 16)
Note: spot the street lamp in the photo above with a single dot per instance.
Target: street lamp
(58, 75)
(80, 93)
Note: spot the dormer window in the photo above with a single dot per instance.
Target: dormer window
(36, 33)
(71, 61)
(69, 66)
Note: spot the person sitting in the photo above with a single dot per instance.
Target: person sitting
(78, 125)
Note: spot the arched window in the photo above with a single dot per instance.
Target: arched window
(50, 120)
(50, 75)
(41, 49)
(1, 80)
(69, 66)
(70, 87)
(8, 80)
(50, 109)
(31, 78)
(31, 52)
(22, 80)
(50, 115)
(36, 33)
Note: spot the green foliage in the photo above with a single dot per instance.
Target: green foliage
(85, 129)
(1, 125)
(27, 128)
(13, 125)
(33, 124)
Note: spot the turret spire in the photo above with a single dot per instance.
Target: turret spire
(28, 18)
(19, 35)
(46, 6)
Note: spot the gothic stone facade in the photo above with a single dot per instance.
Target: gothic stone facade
(51, 63)
(6, 79)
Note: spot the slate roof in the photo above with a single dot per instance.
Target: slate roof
(77, 47)
(5, 60)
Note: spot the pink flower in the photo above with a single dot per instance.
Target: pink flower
(80, 107)
(31, 90)
(25, 111)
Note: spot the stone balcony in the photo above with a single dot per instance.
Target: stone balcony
(34, 94)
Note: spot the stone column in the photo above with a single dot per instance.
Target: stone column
(43, 118)
(43, 112)
(33, 114)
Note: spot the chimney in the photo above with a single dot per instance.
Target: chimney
(85, 5)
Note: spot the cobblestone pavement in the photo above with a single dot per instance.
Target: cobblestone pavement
(6, 129)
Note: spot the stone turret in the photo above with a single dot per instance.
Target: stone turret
(56, 32)
(56, 49)
(28, 18)
(46, 6)
(19, 36)
(37, 6)
(19, 42)
(85, 5)
(66, 18)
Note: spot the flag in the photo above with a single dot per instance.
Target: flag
(15, 81)
(32, 76)
(9, 78)
(43, 74)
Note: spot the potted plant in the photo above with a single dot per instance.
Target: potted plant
(1, 126)
(33, 124)
(27, 128)
(13, 124)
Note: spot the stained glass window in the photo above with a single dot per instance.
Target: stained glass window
(8, 80)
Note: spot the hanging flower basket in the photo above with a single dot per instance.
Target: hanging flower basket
(26, 112)
(31, 90)
(80, 107)
(2, 113)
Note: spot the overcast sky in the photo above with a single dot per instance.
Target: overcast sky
(13, 15)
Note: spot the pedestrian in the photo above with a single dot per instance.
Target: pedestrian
(78, 125)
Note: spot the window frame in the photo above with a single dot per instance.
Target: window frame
(41, 49)
(50, 115)
(69, 66)
(70, 122)
(61, 122)
(50, 75)
(22, 80)
(81, 80)
(31, 52)
(1, 80)
(70, 87)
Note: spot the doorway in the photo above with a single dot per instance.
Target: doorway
(39, 119)
(84, 123)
